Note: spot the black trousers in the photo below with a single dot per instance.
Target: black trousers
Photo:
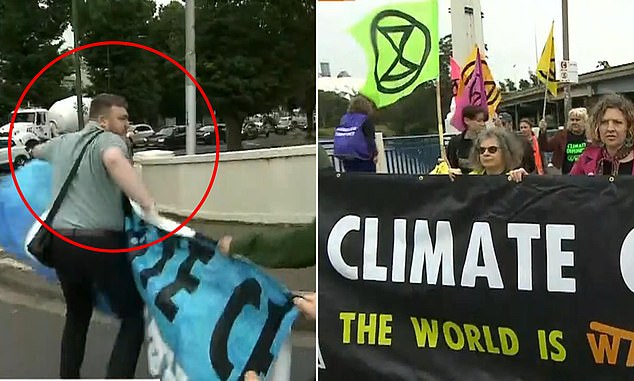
(81, 272)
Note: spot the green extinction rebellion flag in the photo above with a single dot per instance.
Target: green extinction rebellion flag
(401, 46)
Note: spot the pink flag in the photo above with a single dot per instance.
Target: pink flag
(471, 92)
(455, 76)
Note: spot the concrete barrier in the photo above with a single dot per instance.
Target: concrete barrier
(267, 186)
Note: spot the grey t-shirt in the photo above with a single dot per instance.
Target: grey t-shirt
(94, 200)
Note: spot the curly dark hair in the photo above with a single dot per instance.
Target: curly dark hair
(618, 102)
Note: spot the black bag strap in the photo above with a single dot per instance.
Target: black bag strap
(62, 192)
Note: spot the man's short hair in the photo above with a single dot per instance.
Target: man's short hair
(471, 112)
(102, 103)
(505, 117)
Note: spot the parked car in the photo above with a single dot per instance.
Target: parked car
(206, 134)
(140, 134)
(284, 125)
(171, 137)
(299, 122)
(19, 154)
(249, 130)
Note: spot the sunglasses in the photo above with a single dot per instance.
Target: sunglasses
(491, 149)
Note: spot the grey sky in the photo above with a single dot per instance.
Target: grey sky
(510, 30)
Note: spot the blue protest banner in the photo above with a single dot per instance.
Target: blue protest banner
(209, 316)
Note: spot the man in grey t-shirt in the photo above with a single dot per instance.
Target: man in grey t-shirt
(92, 213)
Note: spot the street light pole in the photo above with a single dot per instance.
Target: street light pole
(77, 58)
(566, 43)
(190, 88)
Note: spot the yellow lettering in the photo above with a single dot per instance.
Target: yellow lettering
(559, 354)
(425, 332)
(473, 337)
(385, 329)
(363, 328)
(543, 351)
(459, 343)
(514, 346)
(348, 318)
(488, 340)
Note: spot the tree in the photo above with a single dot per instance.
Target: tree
(524, 84)
(252, 56)
(603, 65)
(533, 79)
(301, 28)
(167, 34)
(502, 87)
(510, 85)
(123, 70)
(30, 35)
(331, 108)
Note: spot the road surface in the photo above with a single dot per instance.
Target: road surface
(31, 328)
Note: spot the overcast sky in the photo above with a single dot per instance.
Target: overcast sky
(597, 32)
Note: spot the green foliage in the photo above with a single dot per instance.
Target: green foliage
(255, 55)
(30, 33)
(331, 108)
(123, 70)
(252, 55)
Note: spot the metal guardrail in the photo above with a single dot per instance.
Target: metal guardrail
(405, 154)
(411, 155)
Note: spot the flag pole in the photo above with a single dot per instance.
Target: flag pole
(545, 97)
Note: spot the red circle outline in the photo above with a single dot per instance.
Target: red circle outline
(200, 89)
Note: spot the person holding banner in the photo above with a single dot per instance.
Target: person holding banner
(612, 134)
(354, 141)
(460, 146)
(567, 145)
(495, 152)
(92, 213)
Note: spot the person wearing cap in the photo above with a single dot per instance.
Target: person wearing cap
(506, 121)
(568, 144)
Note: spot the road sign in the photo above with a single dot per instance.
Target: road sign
(568, 72)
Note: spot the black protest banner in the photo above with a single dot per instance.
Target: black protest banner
(480, 279)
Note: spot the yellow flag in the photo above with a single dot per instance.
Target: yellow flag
(546, 66)
(494, 96)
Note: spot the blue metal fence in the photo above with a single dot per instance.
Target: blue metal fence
(405, 154)
(412, 155)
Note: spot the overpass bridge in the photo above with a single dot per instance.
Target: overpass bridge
(591, 86)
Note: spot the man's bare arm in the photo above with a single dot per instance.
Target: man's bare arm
(124, 174)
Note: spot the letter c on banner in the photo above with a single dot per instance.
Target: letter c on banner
(344, 226)
(627, 260)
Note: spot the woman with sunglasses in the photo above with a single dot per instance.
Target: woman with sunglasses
(495, 152)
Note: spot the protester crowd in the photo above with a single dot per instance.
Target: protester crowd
(599, 142)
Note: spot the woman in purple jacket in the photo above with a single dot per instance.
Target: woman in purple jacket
(354, 141)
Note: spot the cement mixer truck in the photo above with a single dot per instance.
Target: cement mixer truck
(62, 115)
(36, 125)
